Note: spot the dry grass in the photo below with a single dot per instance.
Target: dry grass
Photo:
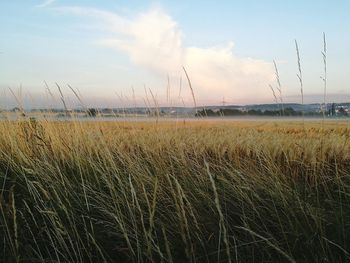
(174, 191)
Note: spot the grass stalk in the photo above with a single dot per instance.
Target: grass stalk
(63, 100)
(279, 86)
(191, 88)
(300, 78)
(324, 77)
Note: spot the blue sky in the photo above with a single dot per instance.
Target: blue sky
(106, 49)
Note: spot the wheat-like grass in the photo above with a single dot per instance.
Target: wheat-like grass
(96, 191)
(324, 77)
(191, 88)
(279, 86)
(300, 78)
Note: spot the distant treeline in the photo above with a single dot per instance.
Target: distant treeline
(331, 110)
(253, 112)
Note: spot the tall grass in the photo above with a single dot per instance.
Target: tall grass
(279, 86)
(191, 88)
(324, 78)
(62, 99)
(274, 95)
(19, 100)
(242, 192)
(300, 77)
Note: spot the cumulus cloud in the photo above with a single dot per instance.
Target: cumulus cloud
(218, 71)
(153, 40)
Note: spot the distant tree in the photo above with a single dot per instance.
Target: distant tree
(16, 109)
(255, 112)
(206, 112)
(342, 111)
(271, 113)
(230, 112)
(332, 110)
(291, 112)
(92, 112)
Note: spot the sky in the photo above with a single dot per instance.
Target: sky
(119, 52)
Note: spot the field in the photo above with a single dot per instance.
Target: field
(180, 191)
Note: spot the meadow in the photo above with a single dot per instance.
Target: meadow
(175, 191)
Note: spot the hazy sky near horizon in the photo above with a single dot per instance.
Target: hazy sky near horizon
(108, 48)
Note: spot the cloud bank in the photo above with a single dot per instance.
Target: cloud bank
(153, 40)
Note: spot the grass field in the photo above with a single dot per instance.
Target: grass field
(174, 191)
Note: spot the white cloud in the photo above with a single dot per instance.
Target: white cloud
(153, 40)
(46, 3)
(217, 71)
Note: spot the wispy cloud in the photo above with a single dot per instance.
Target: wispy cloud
(153, 40)
(46, 3)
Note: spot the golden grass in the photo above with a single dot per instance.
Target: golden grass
(174, 191)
